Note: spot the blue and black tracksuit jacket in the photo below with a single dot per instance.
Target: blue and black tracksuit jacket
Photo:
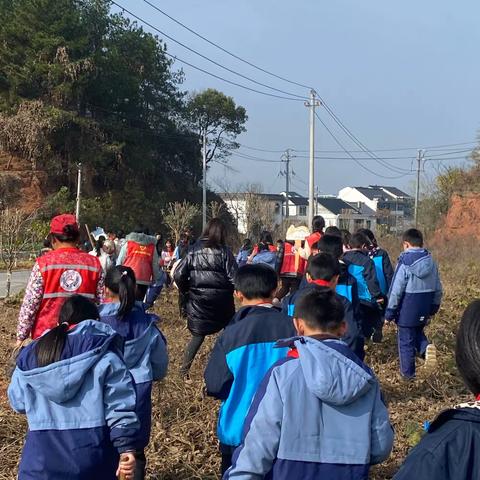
(362, 267)
(242, 355)
(353, 337)
(383, 269)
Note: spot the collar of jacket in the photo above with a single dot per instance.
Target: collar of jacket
(320, 283)
(467, 412)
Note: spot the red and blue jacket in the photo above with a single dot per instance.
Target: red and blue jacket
(80, 410)
(145, 355)
(240, 358)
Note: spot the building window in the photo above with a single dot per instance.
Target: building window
(357, 223)
(369, 224)
(344, 224)
(302, 211)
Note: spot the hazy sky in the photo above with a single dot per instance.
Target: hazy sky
(401, 73)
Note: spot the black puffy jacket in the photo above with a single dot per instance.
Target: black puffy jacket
(205, 276)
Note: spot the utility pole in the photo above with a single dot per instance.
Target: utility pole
(79, 191)
(311, 180)
(420, 156)
(286, 159)
(316, 199)
(204, 197)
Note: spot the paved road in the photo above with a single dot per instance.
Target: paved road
(19, 281)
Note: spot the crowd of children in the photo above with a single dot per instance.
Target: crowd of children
(298, 399)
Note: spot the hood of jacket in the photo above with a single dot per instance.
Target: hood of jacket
(248, 310)
(418, 262)
(141, 238)
(60, 381)
(332, 371)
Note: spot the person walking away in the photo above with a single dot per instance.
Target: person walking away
(206, 276)
(100, 252)
(265, 239)
(318, 225)
(265, 255)
(323, 272)
(318, 413)
(79, 400)
(372, 301)
(244, 352)
(140, 254)
(245, 252)
(145, 350)
(57, 275)
(381, 259)
(292, 269)
(449, 450)
(415, 297)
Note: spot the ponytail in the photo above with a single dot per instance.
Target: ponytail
(99, 246)
(121, 281)
(50, 346)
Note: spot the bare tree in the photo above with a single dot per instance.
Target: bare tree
(179, 216)
(15, 236)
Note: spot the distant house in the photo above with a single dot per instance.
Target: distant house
(254, 210)
(393, 208)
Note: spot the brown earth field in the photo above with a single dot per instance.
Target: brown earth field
(183, 443)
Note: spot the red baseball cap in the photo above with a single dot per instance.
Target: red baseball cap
(59, 223)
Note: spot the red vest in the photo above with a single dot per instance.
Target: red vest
(140, 259)
(288, 264)
(65, 272)
(314, 238)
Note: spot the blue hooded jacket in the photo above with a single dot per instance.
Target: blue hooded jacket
(383, 268)
(239, 360)
(416, 291)
(80, 410)
(361, 266)
(266, 256)
(145, 354)
(320, 415)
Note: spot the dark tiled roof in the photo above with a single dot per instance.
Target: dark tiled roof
(335, 205)
(395, 191)
(373, 192)
(298, 200)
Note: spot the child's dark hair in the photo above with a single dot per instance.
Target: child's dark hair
(215, 233)
(262, 247)
(247, 244)
(99, 245)
(323, 266)
(318, 223)
(332, 245)
(414, 237)
(320, 308)
(256, 281)
(370, 235)
(266, 237)
(359, 240)
(333, 230)
(467, 352)
(346, 236)
(49, 347)
(121, 281)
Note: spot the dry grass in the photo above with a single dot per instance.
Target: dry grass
(183, 442)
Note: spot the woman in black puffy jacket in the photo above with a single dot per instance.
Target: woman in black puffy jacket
(205, 276)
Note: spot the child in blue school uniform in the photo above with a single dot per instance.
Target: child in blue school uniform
(79, 398)
(415, 296)
(244, 352)
(323, 272)
(318, 413)
(372, 300)
(145, 351)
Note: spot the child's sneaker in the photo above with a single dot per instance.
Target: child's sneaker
(431, 357)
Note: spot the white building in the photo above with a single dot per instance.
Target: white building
(393, 208)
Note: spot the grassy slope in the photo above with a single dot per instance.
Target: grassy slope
(183, 442)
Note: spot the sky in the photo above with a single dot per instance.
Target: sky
(397, 73)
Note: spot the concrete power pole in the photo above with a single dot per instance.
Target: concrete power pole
(79, 192)
(311, 179)
(420, 156)
(286, 159)
(204, 194)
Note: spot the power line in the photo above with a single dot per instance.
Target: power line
(351, 156)
(225, 50)
(297, 97)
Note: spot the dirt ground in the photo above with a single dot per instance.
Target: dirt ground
(183, 444)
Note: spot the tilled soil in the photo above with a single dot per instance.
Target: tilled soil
(183, 444)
